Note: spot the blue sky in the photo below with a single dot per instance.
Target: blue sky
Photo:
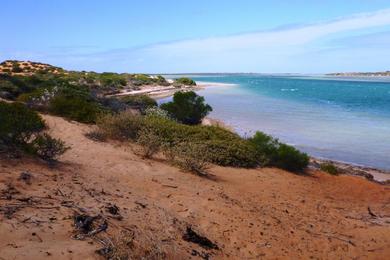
(199, 36)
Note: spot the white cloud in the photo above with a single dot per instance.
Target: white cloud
(308, 48)
(274, 38)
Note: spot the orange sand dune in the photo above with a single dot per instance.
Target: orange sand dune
(250, 214)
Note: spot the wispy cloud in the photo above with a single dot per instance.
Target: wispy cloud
(303, 48)
(280, 37)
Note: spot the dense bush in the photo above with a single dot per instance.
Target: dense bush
(185, 81)
(20, 129)
(329, 168)
(187, 108)
(18, 124)
(76, 104)
(274, 153)
(12, 86)
(140, 102)
(47, 147)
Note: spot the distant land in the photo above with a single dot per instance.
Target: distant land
(361, 74)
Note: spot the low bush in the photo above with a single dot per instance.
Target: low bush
(18, 124)
(149, 141)
(291, 159)
(156, 112)
(273, 153)
(20, 129)
(139, 102)
(185, 81)
(96, 135)
(192, 157)
(187, 108)
(75, 103)
(329, 168)
(47, 147)
(123, 126)
(226, 148)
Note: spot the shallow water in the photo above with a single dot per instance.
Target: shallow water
(340, 119)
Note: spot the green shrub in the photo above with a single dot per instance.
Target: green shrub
(150, 142)
(187, 108)
(140, 102)
(75, 103)
(20, 129)
(76, 108)
(156, 112)
(47, 147)
(329, 168)
(123, 126)
(226, 148)
(291, 159)
(193, 157)
(273, 153)
(18, 124)
(185, 81)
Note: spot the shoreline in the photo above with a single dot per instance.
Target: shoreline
(370, 173)
(158, 92)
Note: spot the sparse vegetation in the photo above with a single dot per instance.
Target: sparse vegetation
(47, 147)
(329, 168)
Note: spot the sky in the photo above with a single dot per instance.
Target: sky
(169, 36)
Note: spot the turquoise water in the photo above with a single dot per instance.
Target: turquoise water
(340, 119)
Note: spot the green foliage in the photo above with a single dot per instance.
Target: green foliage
(223, 147)
(185, 81)
(76, 104)
(112, 79)
(291, 159)
(12, 86)
(140, 102)
(192, 157)
(18, 124)
(187, 108)
(47, 147)
(329, 168)
(150, 142)
(273, 153)
(123, 126)
(20, 129)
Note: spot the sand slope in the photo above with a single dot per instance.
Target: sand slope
(249, 214)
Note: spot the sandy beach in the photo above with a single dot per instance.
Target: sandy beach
(158, 92)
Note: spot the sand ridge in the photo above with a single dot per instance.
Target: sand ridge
(250, 214)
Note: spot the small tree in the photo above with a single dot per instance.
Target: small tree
(187, 108)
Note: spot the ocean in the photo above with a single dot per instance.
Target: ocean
(343, 119)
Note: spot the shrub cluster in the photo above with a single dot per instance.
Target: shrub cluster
(20, 129)
(184, 81)
(223, 147)
(275, 153)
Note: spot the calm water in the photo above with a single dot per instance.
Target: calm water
(340, 119)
